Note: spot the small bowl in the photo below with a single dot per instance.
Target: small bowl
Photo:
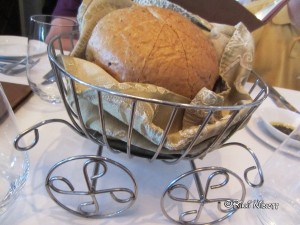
(281, 117)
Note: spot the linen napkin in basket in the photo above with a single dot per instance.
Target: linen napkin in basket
(235, 49)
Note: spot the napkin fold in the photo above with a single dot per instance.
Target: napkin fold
(150, 119)
(235, 50)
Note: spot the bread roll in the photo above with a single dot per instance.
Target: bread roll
(153, 45)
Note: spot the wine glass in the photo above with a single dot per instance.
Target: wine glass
(278, 200)
(41, 78)
(14, 165)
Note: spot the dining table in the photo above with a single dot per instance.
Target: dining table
(58, 142)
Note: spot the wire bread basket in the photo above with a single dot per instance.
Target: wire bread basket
(238, 115)
(67, 85)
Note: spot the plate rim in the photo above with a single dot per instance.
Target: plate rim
(16, 40)
(12, 39)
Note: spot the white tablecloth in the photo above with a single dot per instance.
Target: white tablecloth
(57, 142)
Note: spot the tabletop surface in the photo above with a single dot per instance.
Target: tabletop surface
(58, 142)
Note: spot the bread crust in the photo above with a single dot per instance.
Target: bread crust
(153, 45)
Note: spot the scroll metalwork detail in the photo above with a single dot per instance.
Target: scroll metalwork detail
(94, 169)
(198, 208)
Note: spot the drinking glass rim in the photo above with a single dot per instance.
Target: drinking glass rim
(35, 18)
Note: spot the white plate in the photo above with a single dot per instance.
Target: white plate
(13, 46)
(278, 115)
(256, 127)
(16, 46)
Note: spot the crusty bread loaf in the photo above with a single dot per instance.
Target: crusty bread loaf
(153, 45)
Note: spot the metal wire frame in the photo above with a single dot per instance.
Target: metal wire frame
(92, 206)
(195, 215)
(67, 82)
(181, 194)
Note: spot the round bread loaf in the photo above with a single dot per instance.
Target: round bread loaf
(148, 44)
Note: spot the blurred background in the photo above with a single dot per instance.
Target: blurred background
(14, 14)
